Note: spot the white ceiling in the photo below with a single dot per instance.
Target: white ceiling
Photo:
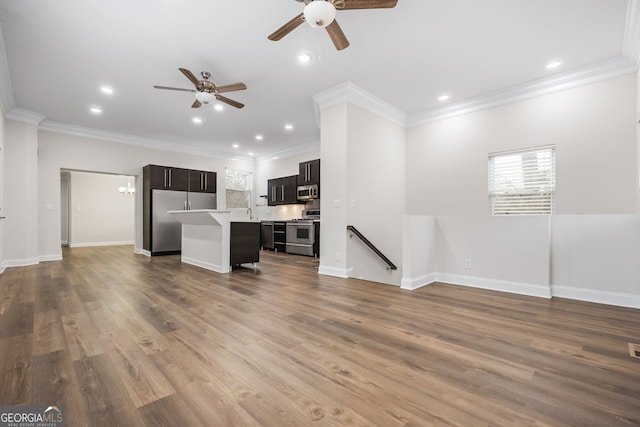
(60, 52)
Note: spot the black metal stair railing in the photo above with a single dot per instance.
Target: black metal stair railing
(352, 229)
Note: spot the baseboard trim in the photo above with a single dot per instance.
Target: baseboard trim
(53, 257)
(530, 289)
(20, 262)
(597, 296)
(335, 272)
(417, 282)
(554, 291)
(91, 244)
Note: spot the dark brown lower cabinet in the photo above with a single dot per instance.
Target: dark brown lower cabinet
(245, 243)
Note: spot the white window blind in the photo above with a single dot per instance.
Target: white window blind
(522, 182)
(238, 186)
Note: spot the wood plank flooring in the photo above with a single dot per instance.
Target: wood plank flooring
(120, 339)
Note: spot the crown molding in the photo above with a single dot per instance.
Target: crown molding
(593, 73)
(290, 152)
(349, 92)
(67, 129)
(26, 116)
(631, 43)
(7, 102)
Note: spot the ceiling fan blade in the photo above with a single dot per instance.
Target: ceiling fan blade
(365, 4)
(337, 36)
(174, 88)
(190, 76)
(229, 101)
(196, 104)
(287, 28)
(231, 88)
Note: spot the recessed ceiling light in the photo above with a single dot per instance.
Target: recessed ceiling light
(218, 107)
(96, 110)
(304, 58)
(259, 137)
(443, 98)
(106, 90)
(197, 120)
(554, 64)
(251, 154)
(236, 145)
(288, 126)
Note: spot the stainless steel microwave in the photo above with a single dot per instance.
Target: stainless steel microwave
(307, 192)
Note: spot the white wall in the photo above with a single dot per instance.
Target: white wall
(596, 258)
(509, 254)
(2, 180)
(638, 141)
(593, 128)
(362, 185)
(333, 179)
(99, 214)
(585, 257)
(60, 151)
(503, 253)
(20, 204)
(375, 199)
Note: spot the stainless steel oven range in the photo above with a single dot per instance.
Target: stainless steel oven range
(300, 237)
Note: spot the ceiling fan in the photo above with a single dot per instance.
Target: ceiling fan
(207, 92)
(322, 13)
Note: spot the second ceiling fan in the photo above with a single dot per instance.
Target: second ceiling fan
(321, 14)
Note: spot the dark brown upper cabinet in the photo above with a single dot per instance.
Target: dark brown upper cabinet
(168, 178)
(202, 181)
(309, 172)
(282, 191)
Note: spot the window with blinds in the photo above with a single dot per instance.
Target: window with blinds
(522, 182)
(238, 189)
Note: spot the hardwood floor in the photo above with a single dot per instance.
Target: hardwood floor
(120, 339)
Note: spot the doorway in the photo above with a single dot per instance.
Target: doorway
(96, 209)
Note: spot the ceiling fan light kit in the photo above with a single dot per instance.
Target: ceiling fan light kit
(205, 97)
(319, 13)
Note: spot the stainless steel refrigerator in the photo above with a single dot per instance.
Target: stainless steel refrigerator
(166, 231)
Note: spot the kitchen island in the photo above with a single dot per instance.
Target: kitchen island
(209, 239)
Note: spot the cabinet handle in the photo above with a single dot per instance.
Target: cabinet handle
(206, 180)
(170, 170)
(273, 193)
(165, 179)
(308, 172)
(282, 193)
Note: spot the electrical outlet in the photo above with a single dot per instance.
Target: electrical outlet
(467, 263)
